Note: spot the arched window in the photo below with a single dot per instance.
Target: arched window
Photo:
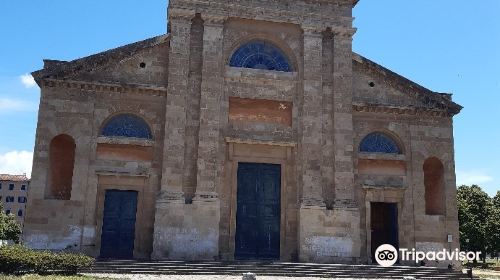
(379, 143)
(127, 125)
(260, 55)
(434, 186)
(62, 162)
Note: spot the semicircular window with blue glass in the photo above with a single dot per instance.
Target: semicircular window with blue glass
(127, 125)
(379, 143)
(260, 55)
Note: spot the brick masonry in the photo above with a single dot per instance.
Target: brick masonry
(181, 85)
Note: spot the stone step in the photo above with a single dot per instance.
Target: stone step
(273, 269)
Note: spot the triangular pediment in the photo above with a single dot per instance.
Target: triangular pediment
(377, 86)
(140, 63)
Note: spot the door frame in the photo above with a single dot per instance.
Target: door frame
(115, 183)
(382, 195)
(257, 154)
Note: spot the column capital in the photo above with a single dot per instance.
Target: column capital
(343, 32)
(313, 30)
(312, 203)
(182, 15)
(202, 196)
(170, 196)
(214, 19)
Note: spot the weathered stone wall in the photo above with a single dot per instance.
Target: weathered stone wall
(189, 231)
(149, 66)
(80, 110)
(371, 90)
(330, 236)
(400, 178)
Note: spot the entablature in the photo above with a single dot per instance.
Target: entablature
(324, 13)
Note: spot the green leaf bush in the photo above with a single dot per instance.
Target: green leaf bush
(9, 227)
(17, 259)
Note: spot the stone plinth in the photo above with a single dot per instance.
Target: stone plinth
(187, 231)
(329, 236)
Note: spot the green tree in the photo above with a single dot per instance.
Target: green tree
(9, 228)
(493, 228)
(474, 210)
(493, 231)
(496, 200)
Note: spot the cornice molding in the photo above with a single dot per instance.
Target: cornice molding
(104, 87)
(388, 109)
(286, 12)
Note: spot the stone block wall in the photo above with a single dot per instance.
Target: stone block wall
(420, 136)
(186, 231)
(80, 110)
(329, 236)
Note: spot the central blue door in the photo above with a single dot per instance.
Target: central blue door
(118, 227)
(258, 212)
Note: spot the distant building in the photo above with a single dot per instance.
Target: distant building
(14, 194)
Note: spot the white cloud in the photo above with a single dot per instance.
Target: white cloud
(16, 162)
(15, 105)
(28, 80)
(472, 177)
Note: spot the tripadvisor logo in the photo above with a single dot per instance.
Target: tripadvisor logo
(386, 255)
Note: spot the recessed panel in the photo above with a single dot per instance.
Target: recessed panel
(260, 111)
(124, 152)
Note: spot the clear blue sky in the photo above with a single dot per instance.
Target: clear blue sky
(445, 45)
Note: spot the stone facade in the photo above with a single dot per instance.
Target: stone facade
(206, 116)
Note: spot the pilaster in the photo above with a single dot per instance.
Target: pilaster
(342, 117)
(312, 119)
(175, 118)
(328, 159)
(210, 109)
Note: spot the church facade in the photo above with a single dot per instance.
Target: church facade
(249, 131)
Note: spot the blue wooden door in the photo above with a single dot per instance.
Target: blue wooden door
(118, 227)
(258, 211)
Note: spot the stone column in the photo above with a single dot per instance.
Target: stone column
(342, 119)
(175, 118)
(210, 106)
(310, 149)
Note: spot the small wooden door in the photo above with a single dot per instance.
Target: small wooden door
(258, 213)
(384, 225)
(118, 227)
